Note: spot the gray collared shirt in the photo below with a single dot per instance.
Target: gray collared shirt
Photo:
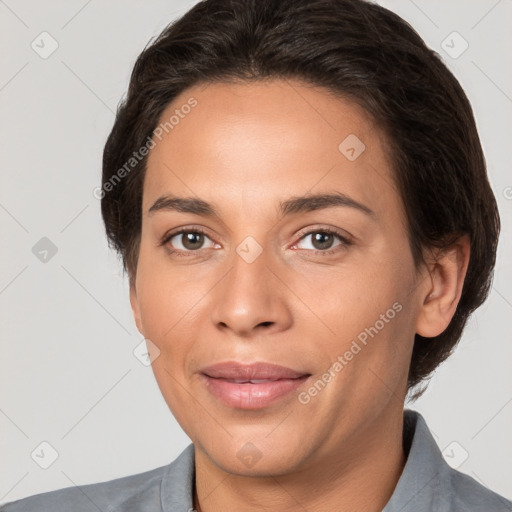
(427, 484)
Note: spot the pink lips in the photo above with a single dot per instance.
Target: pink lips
(251, 386)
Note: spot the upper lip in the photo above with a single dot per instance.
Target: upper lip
(259, 370)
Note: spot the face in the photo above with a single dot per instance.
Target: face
(324, 287)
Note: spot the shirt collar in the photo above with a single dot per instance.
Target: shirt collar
(417, 489)
(177, 489)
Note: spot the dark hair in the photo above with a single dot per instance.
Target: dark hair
(356, 50)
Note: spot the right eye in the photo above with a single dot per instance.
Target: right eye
(191, 240)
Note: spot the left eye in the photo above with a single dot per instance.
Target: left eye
(322, 240)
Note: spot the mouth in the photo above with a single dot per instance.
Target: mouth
(251, 386)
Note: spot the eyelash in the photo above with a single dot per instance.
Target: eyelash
(196, 230)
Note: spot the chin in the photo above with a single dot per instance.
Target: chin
(257, 454)
(250, 462)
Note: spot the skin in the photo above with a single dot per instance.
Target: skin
(244, 148)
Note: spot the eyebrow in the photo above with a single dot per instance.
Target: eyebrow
(292, 206)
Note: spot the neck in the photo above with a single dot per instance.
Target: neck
(360, 475)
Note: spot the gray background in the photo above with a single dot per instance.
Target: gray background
(68, 373)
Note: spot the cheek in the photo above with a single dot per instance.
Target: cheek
(169, 315)
(173, 387)
(166, 315)
(369, 362)
(167, 298)
(367, 310)
(351, 298)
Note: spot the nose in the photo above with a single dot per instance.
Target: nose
(252, 299)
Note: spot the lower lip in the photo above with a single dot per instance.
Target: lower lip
(251, 396)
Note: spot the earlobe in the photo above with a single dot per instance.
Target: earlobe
(443, 288)
(134, 302)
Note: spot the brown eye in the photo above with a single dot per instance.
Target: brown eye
(192, 240)
(322, 240)
(186, 240)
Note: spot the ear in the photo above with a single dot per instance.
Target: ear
(135, 305)
(443, 290)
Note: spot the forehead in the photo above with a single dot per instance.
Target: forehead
(255, 142)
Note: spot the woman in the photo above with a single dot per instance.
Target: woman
(299, 196)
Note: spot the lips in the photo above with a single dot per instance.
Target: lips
(251, 386)
(260, 371)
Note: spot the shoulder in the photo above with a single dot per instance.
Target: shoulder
(143, 491)
(430, 483)
(469, 494)
(93, 497)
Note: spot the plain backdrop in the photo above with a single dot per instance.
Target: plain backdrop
(68, 373)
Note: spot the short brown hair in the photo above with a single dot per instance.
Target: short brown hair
(359, 51)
